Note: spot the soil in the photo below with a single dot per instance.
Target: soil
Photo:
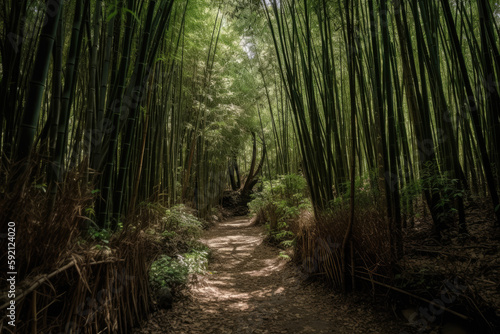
(249, 288)
(473, 260)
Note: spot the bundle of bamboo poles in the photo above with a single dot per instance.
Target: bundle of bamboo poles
(66, 281)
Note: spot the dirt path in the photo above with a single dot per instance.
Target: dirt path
(252, 290)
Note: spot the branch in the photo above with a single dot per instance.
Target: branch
(39, 280)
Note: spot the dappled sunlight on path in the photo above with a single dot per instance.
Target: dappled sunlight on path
(250, 289)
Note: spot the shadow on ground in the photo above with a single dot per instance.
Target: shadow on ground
(250, 289)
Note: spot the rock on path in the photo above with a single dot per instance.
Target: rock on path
(252, 290)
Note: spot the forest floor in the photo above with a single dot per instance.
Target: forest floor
(249, 288)
(473, 260)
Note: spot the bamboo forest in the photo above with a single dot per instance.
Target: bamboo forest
(250, 166)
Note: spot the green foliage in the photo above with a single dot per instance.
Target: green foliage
(169, 234)
(285, 256)
(42, 187)
(90, 212)
(100, 235)
(182, 223)
(181, 232)
(436, 183)
(180, 229)
(287, 193)
(281, 234)
(281, 200)
(174, 272)
(196, 260)
(167, 272)
(366, 193)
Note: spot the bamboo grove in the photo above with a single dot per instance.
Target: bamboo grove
(114, 111)
(123, 93)
(153, 100)
(418, 82)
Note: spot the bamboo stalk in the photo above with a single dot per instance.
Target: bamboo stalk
(44, 278)
(35, 318)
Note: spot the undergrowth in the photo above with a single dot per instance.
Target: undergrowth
(100, 274)
(184, 255)
(442, 184)
(278, 205)
(103, 275)
(173, 272)
(320, 236)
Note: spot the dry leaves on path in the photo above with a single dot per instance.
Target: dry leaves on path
(250, 289)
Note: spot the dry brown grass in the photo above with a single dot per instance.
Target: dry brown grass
(45, 241)
(319, 243)
(70, 284)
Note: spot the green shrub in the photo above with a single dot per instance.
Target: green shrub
(366, 193)
(436, 183)
(167, 272)
(183, 223)
(287, 194)
(280, 201)
(174, 272)
(180, 234)
(195, 261)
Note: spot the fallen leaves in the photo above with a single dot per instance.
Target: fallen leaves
(250, 289)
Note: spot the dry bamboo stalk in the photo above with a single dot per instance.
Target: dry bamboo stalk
(34, 328)
(38, 281)
(43, 278)
(82, 277)
(352, 266)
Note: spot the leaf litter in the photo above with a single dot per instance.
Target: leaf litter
(249, 288)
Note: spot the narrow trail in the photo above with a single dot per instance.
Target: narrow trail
(252, 290)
